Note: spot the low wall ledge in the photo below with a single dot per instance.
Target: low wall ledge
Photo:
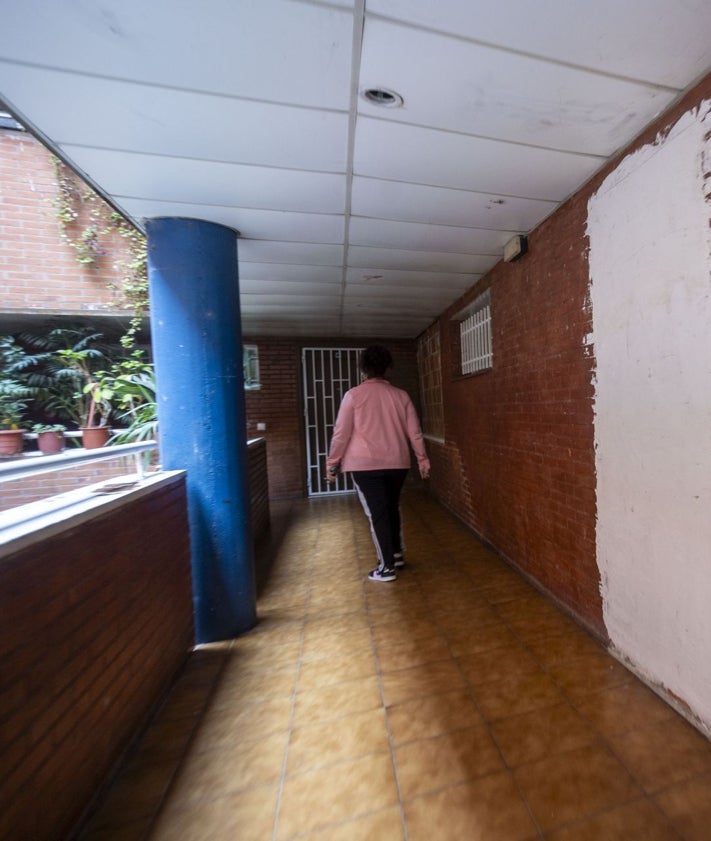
(37, 521)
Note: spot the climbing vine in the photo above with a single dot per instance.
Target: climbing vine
(86, 221)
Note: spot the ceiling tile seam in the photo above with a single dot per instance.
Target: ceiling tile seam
(164, 86)
(374, 247)
(466, 190)
(421, 224)
(489, 138)
(583, 68)
(245, 207)
(173, 157)
(356, 54)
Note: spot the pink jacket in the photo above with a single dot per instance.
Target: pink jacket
(374, 424)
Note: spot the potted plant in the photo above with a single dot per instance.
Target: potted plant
(14, 396)
(50, 437)
(12, 409)
(93, 396)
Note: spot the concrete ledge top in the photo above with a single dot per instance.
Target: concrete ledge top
(36, 521)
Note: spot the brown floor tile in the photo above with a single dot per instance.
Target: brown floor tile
(593, 672)
(636, 821)
(344, 644)
(561, 648)
(419, 681)
(331, 702)
(228, 726)
(298, 702)
(241, 686)
(688, 805)
(624, 708)
(247, 815)
(315, 673)
(398, 631)
(340, 792)
(421, 718)
(412, 652)
(136, 794)
(664, 753)
(166, 739)
(206, 775)
(381, 826)
(343, 623)
(480, 810)
(540, 733)
(430, 764)
(463, 641)
(577, 784)
(496, 663)
(516, 693)
(313, 745)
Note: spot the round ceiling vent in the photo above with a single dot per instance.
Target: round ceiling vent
(383, 97)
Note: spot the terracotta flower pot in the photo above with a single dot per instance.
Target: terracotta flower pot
(11, 441)
(50, 442)
(95, 436)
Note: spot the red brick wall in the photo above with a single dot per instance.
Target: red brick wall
(518, 465)
(94, 624)
(32, 488)
(38, 269)
(278, 404)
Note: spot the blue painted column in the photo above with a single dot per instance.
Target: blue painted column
(197, 350)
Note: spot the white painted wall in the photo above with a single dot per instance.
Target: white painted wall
(651, 301)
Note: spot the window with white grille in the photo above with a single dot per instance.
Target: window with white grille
(475, 336)
(250, 367)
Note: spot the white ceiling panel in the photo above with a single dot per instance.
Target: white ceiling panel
(390, 277)
(408, 202)
(276, 50)
(631, 39)
(420, 237)
(479, 90)
(354, 219)
(259, 251)
(283, 288)
(446, 159)
(129, 174)
(289, 273)
(429, 261)
(252, 224)
(140, 118)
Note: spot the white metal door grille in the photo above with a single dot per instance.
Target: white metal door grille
(328, 373)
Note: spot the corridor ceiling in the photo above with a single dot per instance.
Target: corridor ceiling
(356, 218)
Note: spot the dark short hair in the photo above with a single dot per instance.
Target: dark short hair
(375, 361)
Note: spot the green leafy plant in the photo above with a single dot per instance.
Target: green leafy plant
(86, 223)
(15, 393)
(61, 369)
(49, 427)
(134, 394)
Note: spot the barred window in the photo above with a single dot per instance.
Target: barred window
(475, 336)
(429, 363)
(250, 367)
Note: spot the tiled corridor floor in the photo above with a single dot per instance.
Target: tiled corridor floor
(455, 703)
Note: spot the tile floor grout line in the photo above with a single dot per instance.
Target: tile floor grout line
(292, 711)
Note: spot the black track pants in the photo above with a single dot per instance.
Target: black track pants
(379, 492)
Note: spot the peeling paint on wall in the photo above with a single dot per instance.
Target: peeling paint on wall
(648, 227)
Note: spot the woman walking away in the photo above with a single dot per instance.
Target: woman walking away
(375, 424)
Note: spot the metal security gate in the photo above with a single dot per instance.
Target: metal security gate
(328, 374)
